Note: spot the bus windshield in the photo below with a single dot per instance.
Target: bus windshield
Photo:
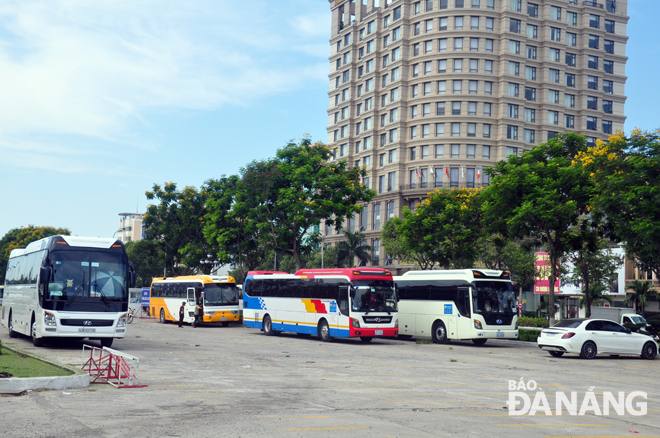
(88, 275)
(220, 294)
(373, 296)
(494, 297)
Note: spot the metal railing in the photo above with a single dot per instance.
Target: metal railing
(593, 4)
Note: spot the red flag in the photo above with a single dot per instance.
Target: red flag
(419, 175)
(478, 172)
(447, 171)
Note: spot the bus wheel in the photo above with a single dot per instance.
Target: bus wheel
(12, 333)
(106, 342)
(439, 333)
(37, 342)
(162, 316)
(268, 326)
(479, 341)
(366, 339)
(324, 331)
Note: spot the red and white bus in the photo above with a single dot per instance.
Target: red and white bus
(341, 303)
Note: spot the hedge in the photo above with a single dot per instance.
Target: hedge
(528, 335)
(525, 321)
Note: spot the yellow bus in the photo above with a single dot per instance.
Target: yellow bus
(219, 295)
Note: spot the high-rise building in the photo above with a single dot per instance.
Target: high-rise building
(426, 94)
(130, 227)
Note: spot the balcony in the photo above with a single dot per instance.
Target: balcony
(593, 4)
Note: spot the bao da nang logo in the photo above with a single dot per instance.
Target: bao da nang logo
(526, 398)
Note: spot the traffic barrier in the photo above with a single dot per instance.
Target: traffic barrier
(106, 365)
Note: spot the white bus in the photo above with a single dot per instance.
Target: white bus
(329, 303)
(68, 287)
(457, 304)
(218, 296)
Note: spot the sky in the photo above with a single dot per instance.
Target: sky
(100, 100)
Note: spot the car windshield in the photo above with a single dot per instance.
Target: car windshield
(568, 323)
(87, 276)
(494, 297)
(638, 319)
(220, 294)
(373, 296)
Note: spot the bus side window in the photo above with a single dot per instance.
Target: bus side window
(463, 301)
(342, 300)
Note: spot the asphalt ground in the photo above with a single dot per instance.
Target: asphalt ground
(234, 381)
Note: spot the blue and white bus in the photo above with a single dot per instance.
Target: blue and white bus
(68, 287)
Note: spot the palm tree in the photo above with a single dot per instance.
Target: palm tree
(596, 295)
(641, 294)
(352, 247)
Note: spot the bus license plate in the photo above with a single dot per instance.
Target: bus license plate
(500, 335)
(86, 330)
(223, 319)
(379, 333)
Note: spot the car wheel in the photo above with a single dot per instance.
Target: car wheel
(479, 341)
(268, 326)
(162, 316)
(37, 342)
(439, 333)
(649, 351)
(324, 332)
(589, 350)
(556, 353)
(12, 333)
(106, 342)
(366, 339)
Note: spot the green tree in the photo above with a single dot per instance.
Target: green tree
(399, 246)
(641, 295)
(148, 260)
(351, 248)
(519, 258)
(20, 238)
(286, 196)
(595, 295)
(176, 223)
(626, 172)
(594, 263)
(238, 240)
(329, 256)
(540, 195)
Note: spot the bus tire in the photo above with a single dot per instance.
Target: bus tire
(10, 323)
(479, 341)
(366, 339)
(324, 331)
(106, 342)
(268, 326)
(162, 316)
(37, 342)
(439, 333)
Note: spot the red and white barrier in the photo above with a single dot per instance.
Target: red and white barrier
(106, 365)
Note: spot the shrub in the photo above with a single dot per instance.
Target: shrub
(528, 335)
(525, 321)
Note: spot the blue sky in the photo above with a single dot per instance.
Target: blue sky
(100, 100)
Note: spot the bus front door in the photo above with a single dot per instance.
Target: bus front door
(464, 325)
(190, 304)
(342, 319)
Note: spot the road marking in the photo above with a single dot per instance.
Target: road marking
(555, 424)
(327, 428)
(182, 385)
(292, 418)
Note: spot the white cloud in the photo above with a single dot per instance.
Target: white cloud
(93, 69)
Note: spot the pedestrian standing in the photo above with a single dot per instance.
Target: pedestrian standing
(182, 312)
(196, 315)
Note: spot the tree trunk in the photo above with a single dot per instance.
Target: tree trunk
(587, 299)
(551, 292)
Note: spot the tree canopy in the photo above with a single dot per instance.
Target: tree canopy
(20, 238)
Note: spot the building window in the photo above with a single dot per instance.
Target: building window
(474, 65)
(555, 13)
(473, 85)
(555, 34)
(458, 44)
(471, 150)
(530, 115)
(487, 109)
(608, 46)
(513, 111)
(569, 100)
(455, 129)
(458, 23)
(474, 23)
(594, 21)
(609, 26)
(608, 87)
(571, 39)
(439, 150)
(530, 73)
(516, 5)
(529, 135)
(490, 22)
(593, 41)
(440, 109)
(532, 10)
(376, 218)
(456, 108)
(472, 108)
(442, 45)
(486, 130)
(530, 94)
(458, 65)
(443, 23)
(442, 87)
(532, 31)
(486, 152)
(455, 150)
(608, 66)
(472, 130)
(439, 129)
(607, 106)
(570, 59)
(514, 25)
(592, 123)
(413, 135)
(458, 87)
(511, 151)
(514, 47)
(592, 82)
(488, 66)
(569, 79)
(489, 45)
(553, 75)
(593, 62)
(531, 52)
(569, 121)
(607, 127)
(488, 88)
(571, 18)
(512, 132)
(553, 117)
(513, 89)
(553, 96)
(592, 102)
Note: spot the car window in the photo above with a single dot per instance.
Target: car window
(595, 325)
(613, 327)
(568, 323)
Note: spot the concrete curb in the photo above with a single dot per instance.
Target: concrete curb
(13, 384)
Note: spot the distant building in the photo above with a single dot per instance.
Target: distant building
(130, 227)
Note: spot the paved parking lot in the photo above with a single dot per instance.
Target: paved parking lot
(234, 381)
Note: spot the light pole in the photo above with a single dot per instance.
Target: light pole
(210, 262)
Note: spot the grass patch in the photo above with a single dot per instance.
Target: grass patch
(528, 335)
(423, 341)
(26, 366)
(453, 360)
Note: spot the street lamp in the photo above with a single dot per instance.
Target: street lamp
(210, 262)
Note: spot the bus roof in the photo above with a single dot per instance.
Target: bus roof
(266, 273)
(201, 278)
(467, 274)
(71, 241)
(351, 273)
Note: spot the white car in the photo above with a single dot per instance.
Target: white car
(588, 337)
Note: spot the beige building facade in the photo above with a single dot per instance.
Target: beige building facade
(427, 94)
(130, 227)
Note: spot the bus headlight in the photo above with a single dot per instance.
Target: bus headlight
(49, 319)
(122, 321)
(355, 323)
(396, 323)
(477, 324)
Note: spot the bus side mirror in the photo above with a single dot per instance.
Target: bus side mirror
(44, 274)
(131, 275)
